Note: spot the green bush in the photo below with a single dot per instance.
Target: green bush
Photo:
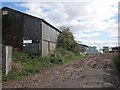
(117, 62)
(23, 65)
(20, 57)
(66, 41)
(56, 59)
(66, 55)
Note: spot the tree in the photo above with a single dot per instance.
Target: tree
(66, 41)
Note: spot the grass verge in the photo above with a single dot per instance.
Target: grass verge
(23, 65)
(117, 62)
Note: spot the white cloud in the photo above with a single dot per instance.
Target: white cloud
(85, 15)
(86, 36)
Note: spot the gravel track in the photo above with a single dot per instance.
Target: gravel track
(95, 71)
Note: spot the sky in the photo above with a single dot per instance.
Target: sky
(92, 22)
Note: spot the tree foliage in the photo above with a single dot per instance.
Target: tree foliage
(66, 40)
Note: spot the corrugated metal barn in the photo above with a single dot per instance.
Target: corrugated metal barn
(28, 33)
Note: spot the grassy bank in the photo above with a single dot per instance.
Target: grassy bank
(23, 65)
(117, 62)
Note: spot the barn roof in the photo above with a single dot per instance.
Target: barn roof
(4, 8)
(83, 45)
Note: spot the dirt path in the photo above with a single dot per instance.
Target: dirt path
(92, 72)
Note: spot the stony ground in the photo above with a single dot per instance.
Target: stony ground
(95, 71)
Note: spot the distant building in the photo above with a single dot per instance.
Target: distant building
(83, 48)
(100, 50)
(105, 49)
(116, 49)
(91, 50)
(28, 33)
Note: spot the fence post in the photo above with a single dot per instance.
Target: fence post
(8, 62)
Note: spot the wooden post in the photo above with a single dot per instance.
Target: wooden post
(8, 59)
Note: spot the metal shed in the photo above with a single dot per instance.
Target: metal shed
(28, 33)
